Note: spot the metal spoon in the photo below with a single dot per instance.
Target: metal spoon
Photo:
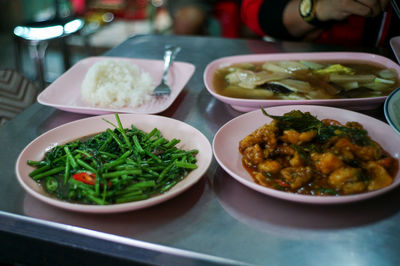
(169, 55)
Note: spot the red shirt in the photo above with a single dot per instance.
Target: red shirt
(264, 17)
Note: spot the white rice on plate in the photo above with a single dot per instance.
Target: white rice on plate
(116, 84)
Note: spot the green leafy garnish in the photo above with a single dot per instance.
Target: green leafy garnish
(328, 191)
(302, 122)
(296, 120)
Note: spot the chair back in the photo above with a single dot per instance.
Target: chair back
(16, 94)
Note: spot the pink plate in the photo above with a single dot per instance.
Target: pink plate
(395, 44)
(65, 92)
(226, 144)
(190, 138)
(245, 105)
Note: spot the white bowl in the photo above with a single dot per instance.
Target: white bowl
(392, 110)
(246, 105)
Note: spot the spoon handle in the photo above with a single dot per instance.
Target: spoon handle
(169, 55)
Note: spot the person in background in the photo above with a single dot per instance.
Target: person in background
(190, 17)
(341, 22)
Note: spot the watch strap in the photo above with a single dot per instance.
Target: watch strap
(312, 19)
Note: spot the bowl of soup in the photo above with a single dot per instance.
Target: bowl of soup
(357, 81)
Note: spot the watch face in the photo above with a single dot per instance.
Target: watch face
(305, 7)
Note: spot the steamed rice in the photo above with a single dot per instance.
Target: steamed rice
(116, 84)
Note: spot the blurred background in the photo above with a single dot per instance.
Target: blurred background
(106, 24)
(41, 39)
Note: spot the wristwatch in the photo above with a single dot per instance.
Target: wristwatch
(308, 11)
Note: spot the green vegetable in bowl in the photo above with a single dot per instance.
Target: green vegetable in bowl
(114, 166)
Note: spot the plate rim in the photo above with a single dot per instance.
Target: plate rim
(395, 45)
(289, 196)
(112, 208)
(386, 106)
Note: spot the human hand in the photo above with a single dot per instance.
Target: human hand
(341, 9)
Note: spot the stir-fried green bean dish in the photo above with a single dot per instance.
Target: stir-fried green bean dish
(115, 166)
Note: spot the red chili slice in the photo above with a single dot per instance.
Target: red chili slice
(86, 178)
(282, 183)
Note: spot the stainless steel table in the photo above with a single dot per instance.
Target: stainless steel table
(218, 221)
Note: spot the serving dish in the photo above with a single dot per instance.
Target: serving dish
(226, 148)
(65, 92)
(395, 44)
(190, 138)
(246, 105)
(392, 110)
